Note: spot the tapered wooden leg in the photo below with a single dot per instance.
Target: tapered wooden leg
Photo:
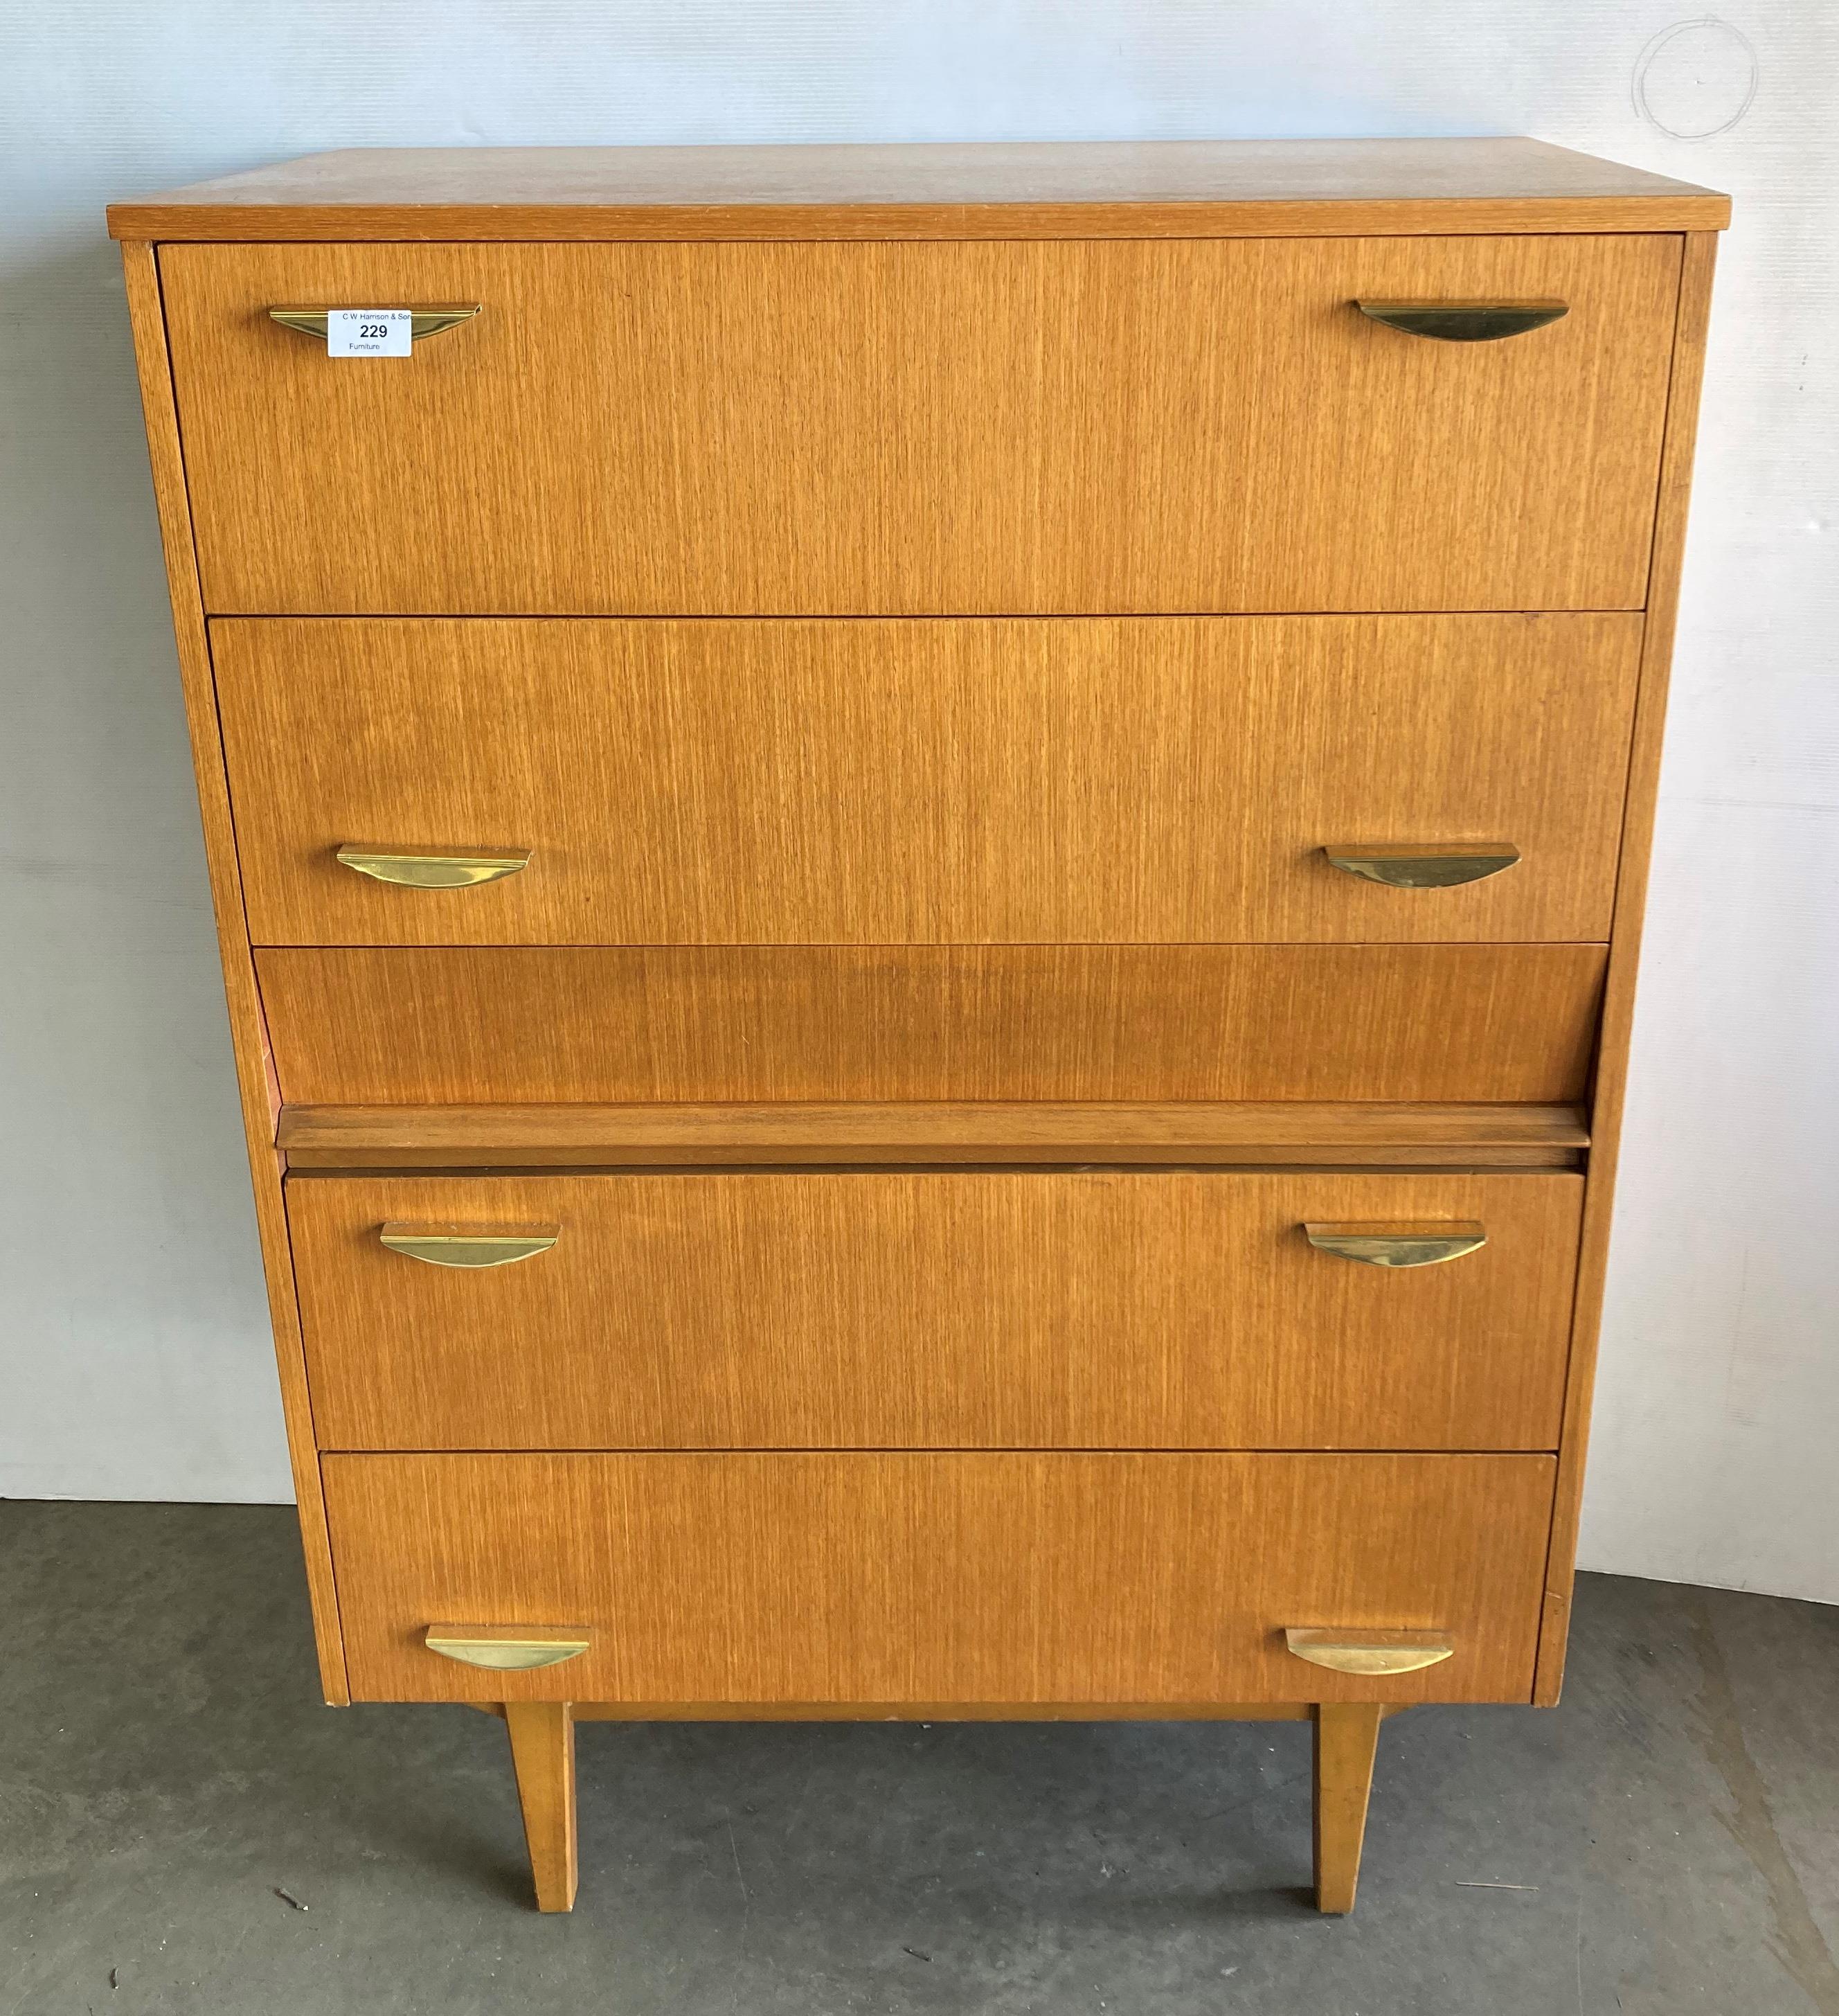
(1346, 1734)
(542, 1749)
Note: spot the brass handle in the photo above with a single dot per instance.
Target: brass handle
(1425, 866)
(465, 1246)
(457, 868)
(1464, 321)
(422, 322)
(1370, 1651)
(1398, 1245)
(509, 1648)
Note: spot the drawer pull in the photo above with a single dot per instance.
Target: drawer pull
(1464, 321)
(1370, 1651)
(422, 322)
(457, 1246)
(509, 1648)
(463, 868)
(1398, 1245)
(1425, 867)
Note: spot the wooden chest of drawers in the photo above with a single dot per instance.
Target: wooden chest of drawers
(929, 862)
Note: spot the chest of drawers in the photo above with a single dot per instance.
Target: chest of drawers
(929, 862)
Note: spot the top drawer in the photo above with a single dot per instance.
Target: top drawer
(1074, 427)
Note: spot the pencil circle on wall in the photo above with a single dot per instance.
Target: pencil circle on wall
(1696, 79)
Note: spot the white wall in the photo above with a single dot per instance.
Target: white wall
(134, 1361)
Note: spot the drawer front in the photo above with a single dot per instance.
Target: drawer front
(1074, 427)
(943, 782)
(976, 1310)
(954, 1577)
(360, 1026)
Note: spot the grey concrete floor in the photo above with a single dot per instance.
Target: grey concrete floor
(1666, 1840)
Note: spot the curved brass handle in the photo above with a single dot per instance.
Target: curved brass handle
(509, 1648)
(1464, 321)
(1398, 1245)
(1425, 865)
(467, 1246)
(1370, 1651)
(456, 868)
(422, 322)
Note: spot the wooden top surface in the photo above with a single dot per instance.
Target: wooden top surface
(1175, 189)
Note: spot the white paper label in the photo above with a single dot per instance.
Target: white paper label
(367, 333)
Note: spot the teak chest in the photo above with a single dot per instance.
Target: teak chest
(929, 862)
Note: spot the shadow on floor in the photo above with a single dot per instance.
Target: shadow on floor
(1666, 1840)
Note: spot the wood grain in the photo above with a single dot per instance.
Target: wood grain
(1133, 189)
(1210, 1711)
(259, 1100)
(1612, 1067)
(485, 1027)
(542, 1751)
(925, 428)
(888, 1578)
(1102, 781)
(1346, 1736)
(890, 892)
(1067, 1311)
(830, 1132)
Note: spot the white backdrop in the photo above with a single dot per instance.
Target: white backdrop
(133, 1358)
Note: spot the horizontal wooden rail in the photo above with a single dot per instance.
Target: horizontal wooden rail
(343, 1137)
(938, 1711)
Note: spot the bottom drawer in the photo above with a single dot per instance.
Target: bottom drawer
(891, 1579)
